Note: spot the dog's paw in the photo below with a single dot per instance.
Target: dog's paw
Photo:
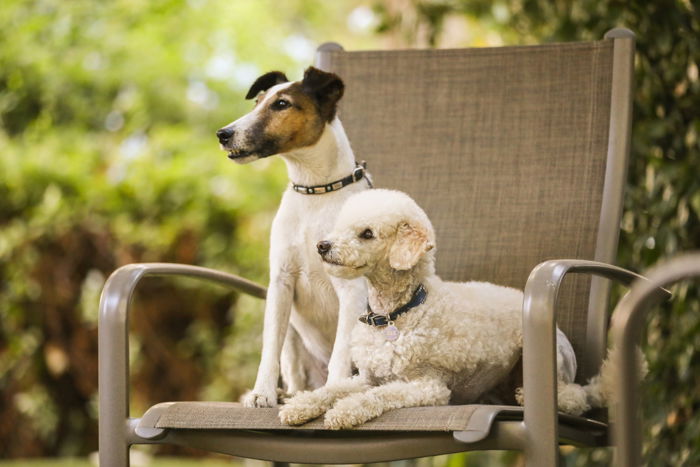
(349, 412)
(301, 408)
(259, 399)
(284, 396)
(291, 414)
(339, 420)
(572, 399)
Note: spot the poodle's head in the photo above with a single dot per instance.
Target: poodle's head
(378, 231)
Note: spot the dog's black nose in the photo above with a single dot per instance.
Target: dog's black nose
(225, 134)
(323, 247)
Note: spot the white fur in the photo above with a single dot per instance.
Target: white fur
(321, 309)
(600, 388)
(456, 346)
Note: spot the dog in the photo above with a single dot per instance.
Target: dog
(423, 341)
(308, 315)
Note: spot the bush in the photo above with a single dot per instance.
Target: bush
(662, 201)
(107, 121)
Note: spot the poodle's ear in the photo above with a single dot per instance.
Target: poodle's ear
(410, 245)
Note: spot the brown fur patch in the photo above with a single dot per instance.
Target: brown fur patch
(297, 126)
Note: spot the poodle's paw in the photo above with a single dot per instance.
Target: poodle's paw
(572, 399)
(349, 412)
(291, 414)
(258, 399)
(301, 408)
(336, 419)
(595, 393)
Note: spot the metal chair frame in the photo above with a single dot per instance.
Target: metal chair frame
(627, 324)
(538, 431)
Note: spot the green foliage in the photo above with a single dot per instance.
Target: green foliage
(108, 156)
(662, 202)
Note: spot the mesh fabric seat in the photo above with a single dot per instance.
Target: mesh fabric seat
(518, 155)
(505, 148)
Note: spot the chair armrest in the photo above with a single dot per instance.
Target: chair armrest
(627, 323)
(113, 344)
(539, 342)
(126, 277)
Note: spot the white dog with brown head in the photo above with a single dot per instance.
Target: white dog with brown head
(422, 341)
(308, 315)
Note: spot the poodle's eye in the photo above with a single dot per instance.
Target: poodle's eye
(367, 234)
(281, 104)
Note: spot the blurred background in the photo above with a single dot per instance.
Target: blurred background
(108, 156)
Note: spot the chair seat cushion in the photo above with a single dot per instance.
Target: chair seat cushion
(232, 415)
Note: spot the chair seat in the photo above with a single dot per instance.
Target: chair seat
(470, 422)
(230, 428)
(232, 415)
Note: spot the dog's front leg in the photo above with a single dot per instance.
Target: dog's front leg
(361, 407)
(307, 405)
(352, 299)
(278, 306)
(292, 366)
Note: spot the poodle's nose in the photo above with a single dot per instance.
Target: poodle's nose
(323, 247)
(225, 134)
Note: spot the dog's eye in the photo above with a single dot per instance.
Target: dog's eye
(367, 234)
(281, 104)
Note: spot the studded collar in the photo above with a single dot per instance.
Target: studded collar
(359, 173)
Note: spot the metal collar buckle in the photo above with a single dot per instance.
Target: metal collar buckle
(359, 172)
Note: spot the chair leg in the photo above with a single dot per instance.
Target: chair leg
(113, 444)
(114, 453)
(113, 377)
(540, 455)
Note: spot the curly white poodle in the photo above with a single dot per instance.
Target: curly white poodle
(423, 341)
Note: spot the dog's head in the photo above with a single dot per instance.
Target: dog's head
(287, 115)
(378, 231)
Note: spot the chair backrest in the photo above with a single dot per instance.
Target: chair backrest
(514, 153)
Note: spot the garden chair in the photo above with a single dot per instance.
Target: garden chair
(627, 324)
(519, 156)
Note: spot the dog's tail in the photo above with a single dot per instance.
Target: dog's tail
(599, 390)
(576, 399)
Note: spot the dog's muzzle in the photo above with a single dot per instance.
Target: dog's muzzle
(323, 247)
(225, 135)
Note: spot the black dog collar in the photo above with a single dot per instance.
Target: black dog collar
(356, 175)
(373, 319)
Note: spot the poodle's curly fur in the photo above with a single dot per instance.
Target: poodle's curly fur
(460, 343)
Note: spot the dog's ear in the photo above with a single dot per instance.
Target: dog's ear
(326, 89)
(265, 82)
(411, 243)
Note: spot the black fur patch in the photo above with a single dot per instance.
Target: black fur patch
(265, 145)
(265, 82)
(325, 88)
